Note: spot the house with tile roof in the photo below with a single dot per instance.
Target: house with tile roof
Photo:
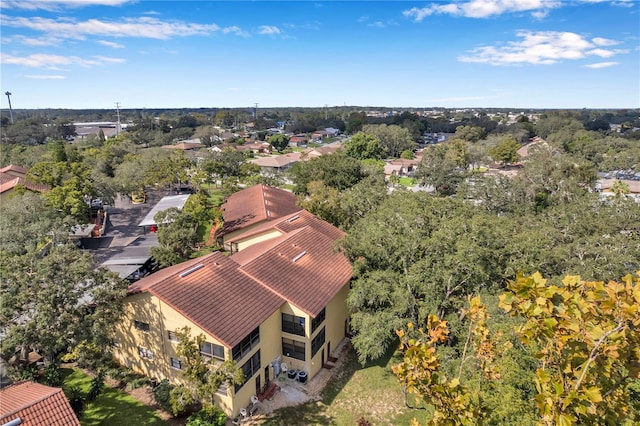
(32, 404)
(278, 299)
(12, 177)
(247, 209)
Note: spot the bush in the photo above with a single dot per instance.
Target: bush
(76, 400)
(181, 400)
(97, 385)
(162, 394)
(139, 382)
(52, 376)
(209, 416)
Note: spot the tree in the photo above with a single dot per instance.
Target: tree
(470, 133)
(417, 255)
(336, 170)
(279, 141)
(394, 139)
(442, 167)
(586, 337)
(355, 122)
(177, 236)
(364, 146)
(203, 377)
(506, 152)
(53, 302)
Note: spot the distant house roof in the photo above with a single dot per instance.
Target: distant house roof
(12, 176)
(36, 405)
(184, 146)
(277, 161)
(255, 204)
(177, 201)
(605, 185)
(323, 150)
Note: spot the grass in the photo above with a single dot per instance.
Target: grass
(112, 407)
(370, 391)
(407, 181)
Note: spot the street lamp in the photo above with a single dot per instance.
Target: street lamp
(10, 110)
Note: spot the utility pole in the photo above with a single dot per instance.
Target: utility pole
(326, 112)
(118, 113)
(10, 109)
(255, 111)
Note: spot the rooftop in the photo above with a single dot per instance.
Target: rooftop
(36, 405)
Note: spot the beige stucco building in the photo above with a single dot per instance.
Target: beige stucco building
(280, 299)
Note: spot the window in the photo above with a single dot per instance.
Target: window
(250, 368)
(317, 342)
(211, 350)
(248, 343)
(172, 336)
(145, 353)
(293, 324)
(176, 363)
(142, 326)
(293, 348)
(319, 319)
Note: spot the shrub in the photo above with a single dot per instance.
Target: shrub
(181, 400)
(209, 416)
(162, 393)
(97, 385)
(139, 382)
(76, 400)
(52, 376)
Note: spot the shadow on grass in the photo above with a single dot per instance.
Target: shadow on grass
(112, 407)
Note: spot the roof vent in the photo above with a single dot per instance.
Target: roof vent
(300, 256)
(294, 218)
(192, 270)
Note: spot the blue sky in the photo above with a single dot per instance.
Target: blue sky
(468, 53)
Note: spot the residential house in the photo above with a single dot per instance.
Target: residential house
(400, 167)
(323, 150)
(13, 176)
(277, 163)
(32, 404)
(246, 209)
(298, 141)
(277, 304)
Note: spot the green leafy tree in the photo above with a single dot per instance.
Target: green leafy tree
(364, 146)
(470, 133)
(203, 377)
(337, 170)
(394, 139)
(53, 302)
(177, 236)
(506, 152)
(279, 141)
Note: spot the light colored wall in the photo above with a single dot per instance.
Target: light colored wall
(258, 238)
(161, 318)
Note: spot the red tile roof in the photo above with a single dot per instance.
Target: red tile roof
(216, 296)
(303, 268)
(12, 169)
(9, 181)
(36, 405)
(255, 204)
(230, 296)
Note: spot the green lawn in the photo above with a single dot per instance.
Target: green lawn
(112, 407)
(407, 181)
(355, 391)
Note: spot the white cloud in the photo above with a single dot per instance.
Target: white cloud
(235, 30)
(110, 44)
(269, 30)
(58, 4)
(377, 24)
(53, 62)
(482, 8)
(30, 41)
(599, 41)
(144, 27)
(602, 65)
(45, 77)
(544, 47)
